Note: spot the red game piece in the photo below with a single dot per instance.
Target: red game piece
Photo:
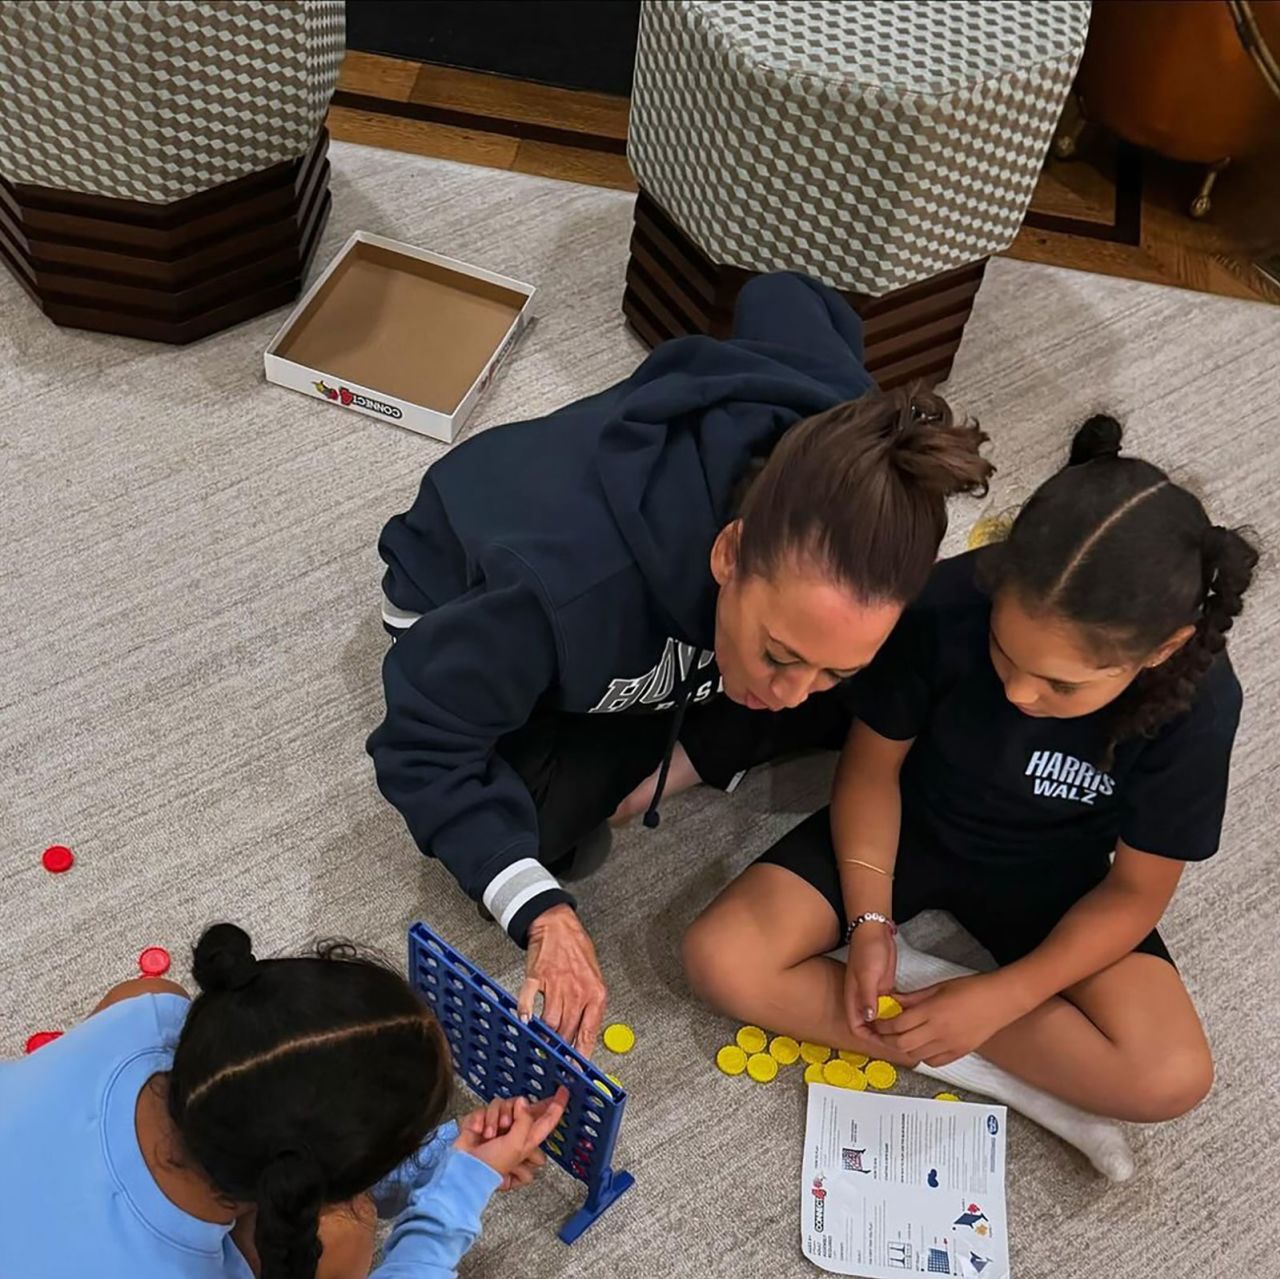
(41, 1038)
(154, 961)
(58, 858)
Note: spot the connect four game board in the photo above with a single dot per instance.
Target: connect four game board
(498, 1055)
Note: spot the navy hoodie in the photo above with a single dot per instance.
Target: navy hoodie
(563, 564)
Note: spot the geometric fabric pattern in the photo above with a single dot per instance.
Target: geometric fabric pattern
(159, 100)
(870, 144)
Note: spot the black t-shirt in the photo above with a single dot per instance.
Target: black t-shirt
(998, 786)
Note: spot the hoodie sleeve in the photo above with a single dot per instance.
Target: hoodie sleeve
(440, 1222)
(461, 677)
(792, 311)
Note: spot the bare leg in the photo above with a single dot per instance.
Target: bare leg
(682, 776)
(757, 954)
(784, 925)
(1125, 1042)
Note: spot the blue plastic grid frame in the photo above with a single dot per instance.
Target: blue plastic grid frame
(498, 1055)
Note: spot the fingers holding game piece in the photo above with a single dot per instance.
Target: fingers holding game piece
(887, 1008)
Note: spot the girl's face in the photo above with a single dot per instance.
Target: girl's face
(1047, 669)
(779, 640)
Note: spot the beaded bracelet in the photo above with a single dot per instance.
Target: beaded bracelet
(870, 917)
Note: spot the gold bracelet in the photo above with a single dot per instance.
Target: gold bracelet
(853, 861)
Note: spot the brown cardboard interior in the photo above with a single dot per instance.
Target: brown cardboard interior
(394, 323)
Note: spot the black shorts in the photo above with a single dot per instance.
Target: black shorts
(579, 768)
(1008, 913)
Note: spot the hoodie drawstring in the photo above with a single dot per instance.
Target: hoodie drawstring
(651, 816)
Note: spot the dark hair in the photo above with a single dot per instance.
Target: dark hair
(861, 491)
(1114, 546)
(298, 1083)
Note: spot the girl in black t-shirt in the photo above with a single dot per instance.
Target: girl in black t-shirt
(1040, 748)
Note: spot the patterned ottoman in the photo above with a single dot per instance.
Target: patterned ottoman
(163, 169)
(887, 147)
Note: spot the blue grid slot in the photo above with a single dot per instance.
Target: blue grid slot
(498, 1055)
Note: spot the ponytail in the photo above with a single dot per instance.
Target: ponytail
(860, 493)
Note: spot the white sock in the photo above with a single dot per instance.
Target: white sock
(1100, 1139)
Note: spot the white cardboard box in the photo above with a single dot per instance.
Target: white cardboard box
(400, 333)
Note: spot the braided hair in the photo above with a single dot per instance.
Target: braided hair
(1114, 546)
(300, 1083)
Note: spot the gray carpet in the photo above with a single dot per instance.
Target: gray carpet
(188, 617)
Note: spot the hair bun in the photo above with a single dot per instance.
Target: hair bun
(224, 959)
(1099, 437)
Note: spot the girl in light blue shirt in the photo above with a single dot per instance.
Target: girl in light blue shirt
(255, 1132)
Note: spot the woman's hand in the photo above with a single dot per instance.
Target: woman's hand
(562, 964)
(871, 967)
(943, 1022)
(507, 1132)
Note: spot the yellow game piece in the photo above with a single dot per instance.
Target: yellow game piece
(751, 1039)
(554, 1148)
(854, 1059)
(859, 1081)
(887, 1008)
(814, 1054)
(761, 1067)
(784, 1050)
(619, 1038)
(731, 1059)
(813, 1073)
(613, 1079)
(838, 1073)
(604, 1088)
(880, 1074)
(945, 1096)
(990, 528)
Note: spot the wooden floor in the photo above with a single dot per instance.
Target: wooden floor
(1113, 209)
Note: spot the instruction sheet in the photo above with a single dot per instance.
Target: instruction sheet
(895, 1186)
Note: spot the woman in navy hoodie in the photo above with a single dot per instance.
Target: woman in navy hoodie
(570, 596)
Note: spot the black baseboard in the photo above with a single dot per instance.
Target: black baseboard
(576, 44)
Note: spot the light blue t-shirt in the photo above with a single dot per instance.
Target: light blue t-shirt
(77, 1198)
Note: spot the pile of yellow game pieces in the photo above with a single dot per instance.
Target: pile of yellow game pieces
(761, 1057)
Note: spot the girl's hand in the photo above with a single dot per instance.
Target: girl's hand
(870, 970)
(507, 1132)
(943, 1022)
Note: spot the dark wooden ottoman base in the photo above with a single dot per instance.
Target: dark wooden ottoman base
(674, 289)
(168, 272)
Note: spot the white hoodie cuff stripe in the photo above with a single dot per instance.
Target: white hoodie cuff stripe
(516, 885)
(398, 617)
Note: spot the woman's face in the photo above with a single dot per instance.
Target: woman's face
(783, 638)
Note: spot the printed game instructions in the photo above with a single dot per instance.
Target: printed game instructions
(896, 1186)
